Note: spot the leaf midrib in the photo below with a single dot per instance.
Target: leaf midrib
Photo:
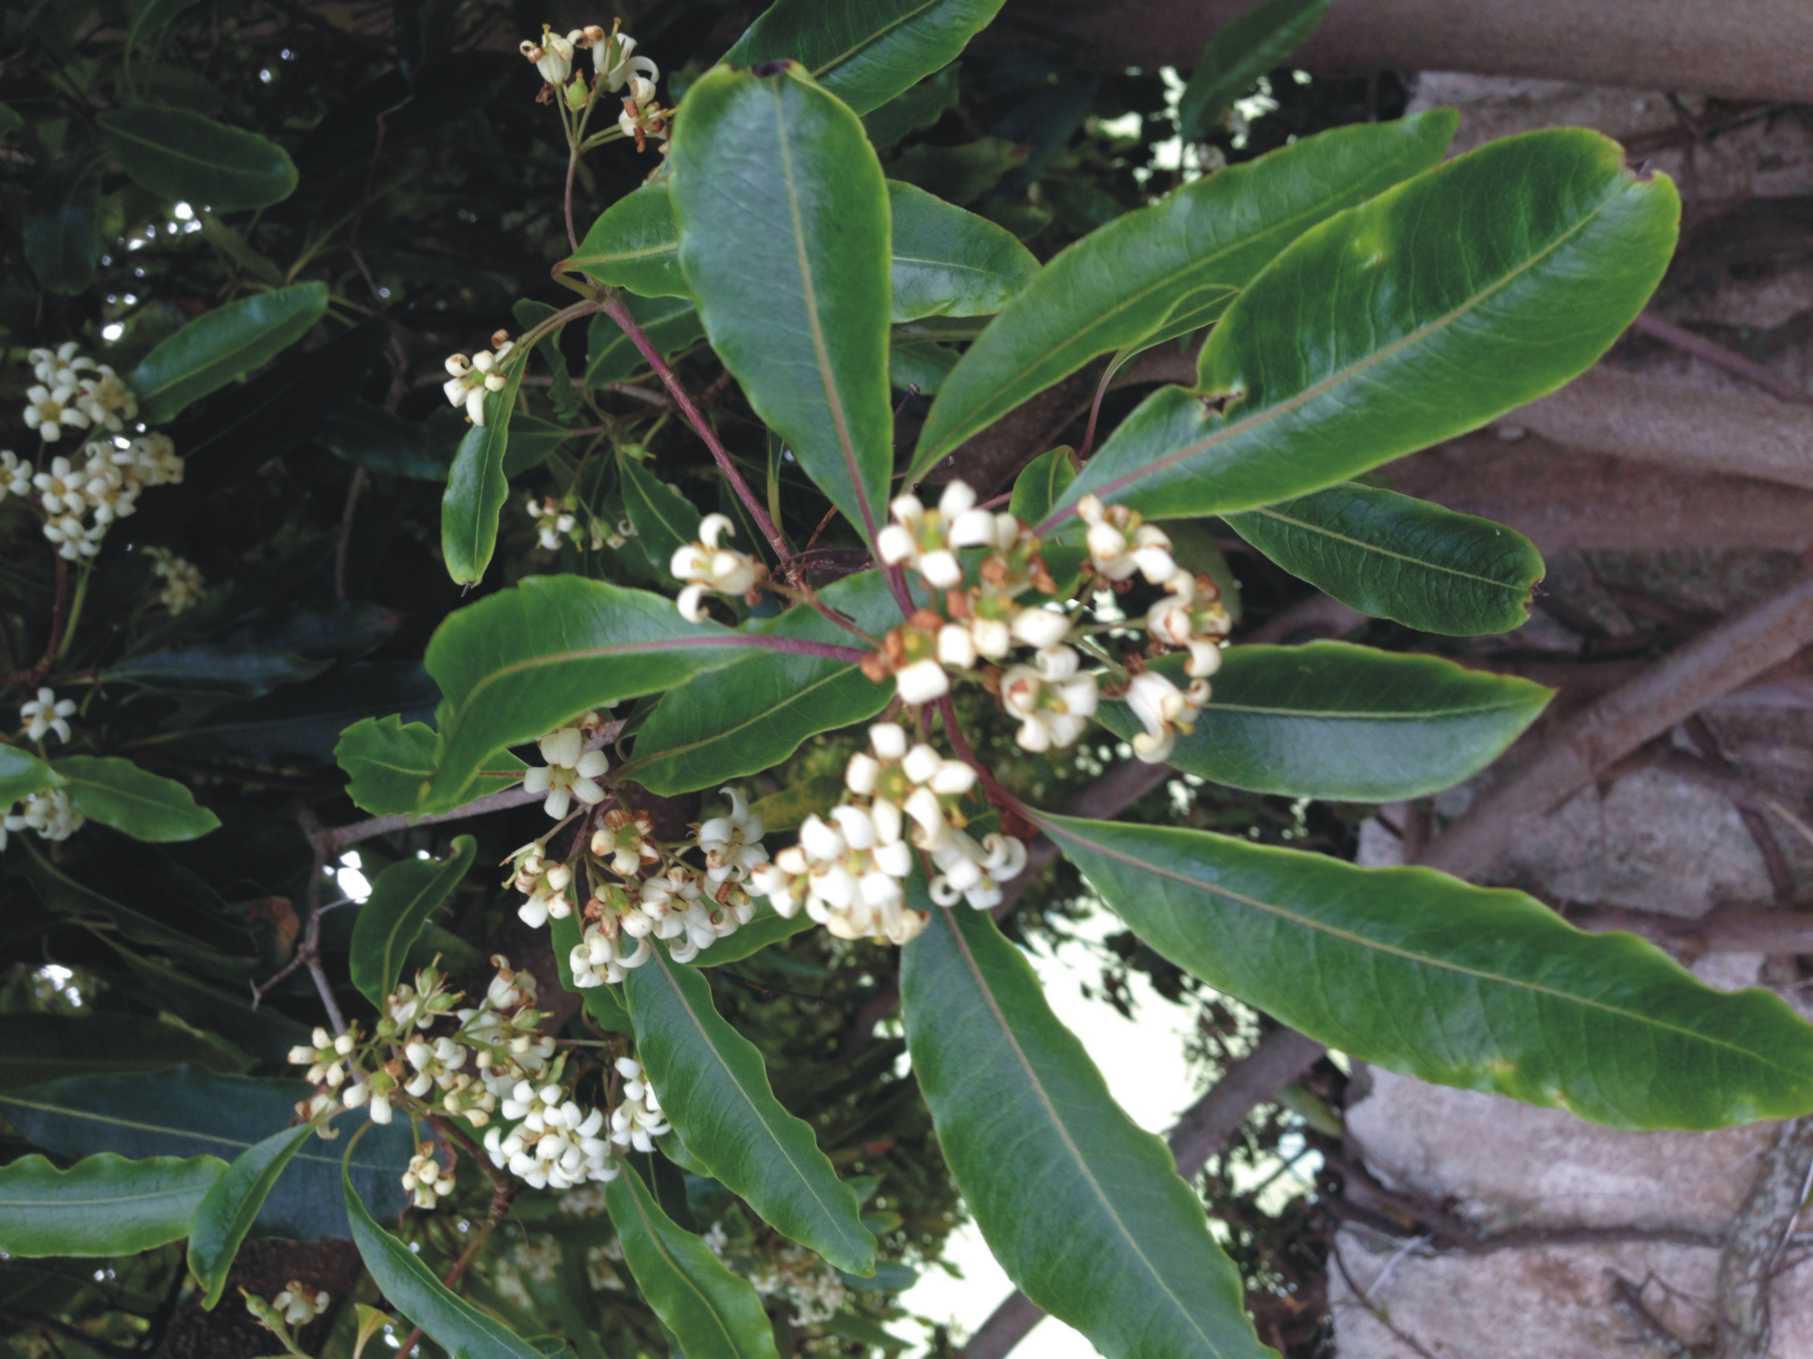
(115, 128)
(1361, 714)
(1377, 550)
(796, 697)
(706, 1303)
(875, 37)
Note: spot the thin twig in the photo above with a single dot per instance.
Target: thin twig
(1720, 357)
(343, 546)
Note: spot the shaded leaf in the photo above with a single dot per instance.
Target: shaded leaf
(1042, 483)
(914, 109)
(217, 667)
(146, 806)
(21, 774)
(402, 899)
(671, 324)
(1239, 53)
(1508, 997)
(61, 234)
(663, 518)
(101, 1206)
(232, 1205)
(222, 345)
(919, 365)
(950, 262)
(40, 1047)
(181, 155)
(477, 486)
(386, 761)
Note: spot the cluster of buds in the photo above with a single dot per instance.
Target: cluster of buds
(49, 814)
(616, 69)
(471, 380)
(708, 568)
(73, 392)
(427, 1181)
(182, 582)
(296, 1306)
(554, 1143)
(777, 1268)
(558, 521)
(82, 497)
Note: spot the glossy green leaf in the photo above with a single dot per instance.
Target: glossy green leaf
(671, 324)
(784, 230)
(386, 760)
(188, 1113)
(635, 245)
(1241, 51)
(477, 487)
(948, 261)
(731, 723)
(1424, 313)
(21, 774)
(373, 438)
(866, 53)
(41, 1047)
(402, 899)
(518, 663)
(181, 155)
(222, 345)
(1191, 252)
(146, 806)
(714, 1090)
(532, 442)
(101, 1206)
(1393, 556)
(1042, 483)
(1084, 1210)
(410, 1286)
(915, 109)
(663, 518)
(919, 366)
(1346, 723)
(1481, 988)
(765, 931)
(601, 1003)
(710, 1310)
(232, 1205)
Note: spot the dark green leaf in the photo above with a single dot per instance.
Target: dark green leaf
(190, 1113)
(919, 365)
(1347, 723)
(402, 899)
(914, 109)
(1188, 254)
(374, 439)
(146, 806)
(783, 223)
(410, 1286)
(949, 262)
(1485, 989)
(222, 345)
(864, 54)
(216, 667)
(671, 324)
(180, 155)
(477, 486)
(1084, 1210)
(21, 774)
(39, 1047)
(709, 1310)
(532, 442)
(232, 1206)
(1396, 557)
(714, 1090)
(1442, 303)
(1041, 485)
(151, 17)
(634, 245)
(197, 945)
(386, 761)
(662, 517)
(61, 232)
(1239, 53)
(101, 1206)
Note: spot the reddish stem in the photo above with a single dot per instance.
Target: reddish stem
(991, 787)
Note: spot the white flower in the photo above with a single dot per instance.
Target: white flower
(617, 66)
(426, 1178)
(1039, 627)
(469, 380)
(299, 1304)
(922, 682)
(974, 872)
(571, 772)
(732, 844)
(59, 488)
(927, 539)
(15, 476)
(183, 585)
(74, 539)
(1163, 710)
(708, 568)
(638, 1120)
(61, 366)
(46, 713)
(50, 814)
(1116, 556)
(150, 460)
(106, 400)
(553, 58)
(50, 412)
(1050, 698)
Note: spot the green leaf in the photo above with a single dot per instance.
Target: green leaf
(146, 806)
(1084, 1210)
(232, 1206)
(518, 663)
(40, 1047)
(386, 760)
(402, 899)
(1188, 254)
(766, 930)
(948, 261)
(864, 54)
(21, 774)
(730, 723)
(709, 1310)
(919, 365)
(370, 437)
(151, 17)
(1346, 723)
(101, 1206)
(1437, 306)
(184, 1112)
(784, 240)
(915, 109)
(477, 486)
(635, 245)
(1239, 53)
(1042, 483)
(671, 324)
(1481, 988)
(663, 518)
(180, 155)
(222, 345)
(601, 1002)
(532, 442)
(61, 234)
(410, 1286)
(714, 1090)
(1393, 556)
(213, 666)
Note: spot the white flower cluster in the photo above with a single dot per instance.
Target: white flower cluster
(75, 392)
(471, 380)
(427, 1180)
(803, 1279)
(638, 1120)
(49, 814)
(557, 522)
(571, 771)
(83, 498)
(298, 1304)
(708, 568)
(555, 1143)
(183, 584)
(615, 69)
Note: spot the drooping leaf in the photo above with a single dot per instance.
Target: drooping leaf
(714, 1089)
(222, 345)
(477, 486)
(190, 1113)
(41, 1047)
(1393, 556)
(1508, 997)
(1187, 256)
(518, 663)
(1042, 483)
(181, 155)
(232, 1205)
(1435, 307)
(1346, 723)
(386, 760)
(402, 899)
(948, 261)
(710, 1310)
(146, 806)
(864, 54)
(671, 324)
(784, 230)
(1084, 1210)
(410, 1286)
(731, 723)
(21, 774)
(103, 1205)
(1241, 51)
(663, 518)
